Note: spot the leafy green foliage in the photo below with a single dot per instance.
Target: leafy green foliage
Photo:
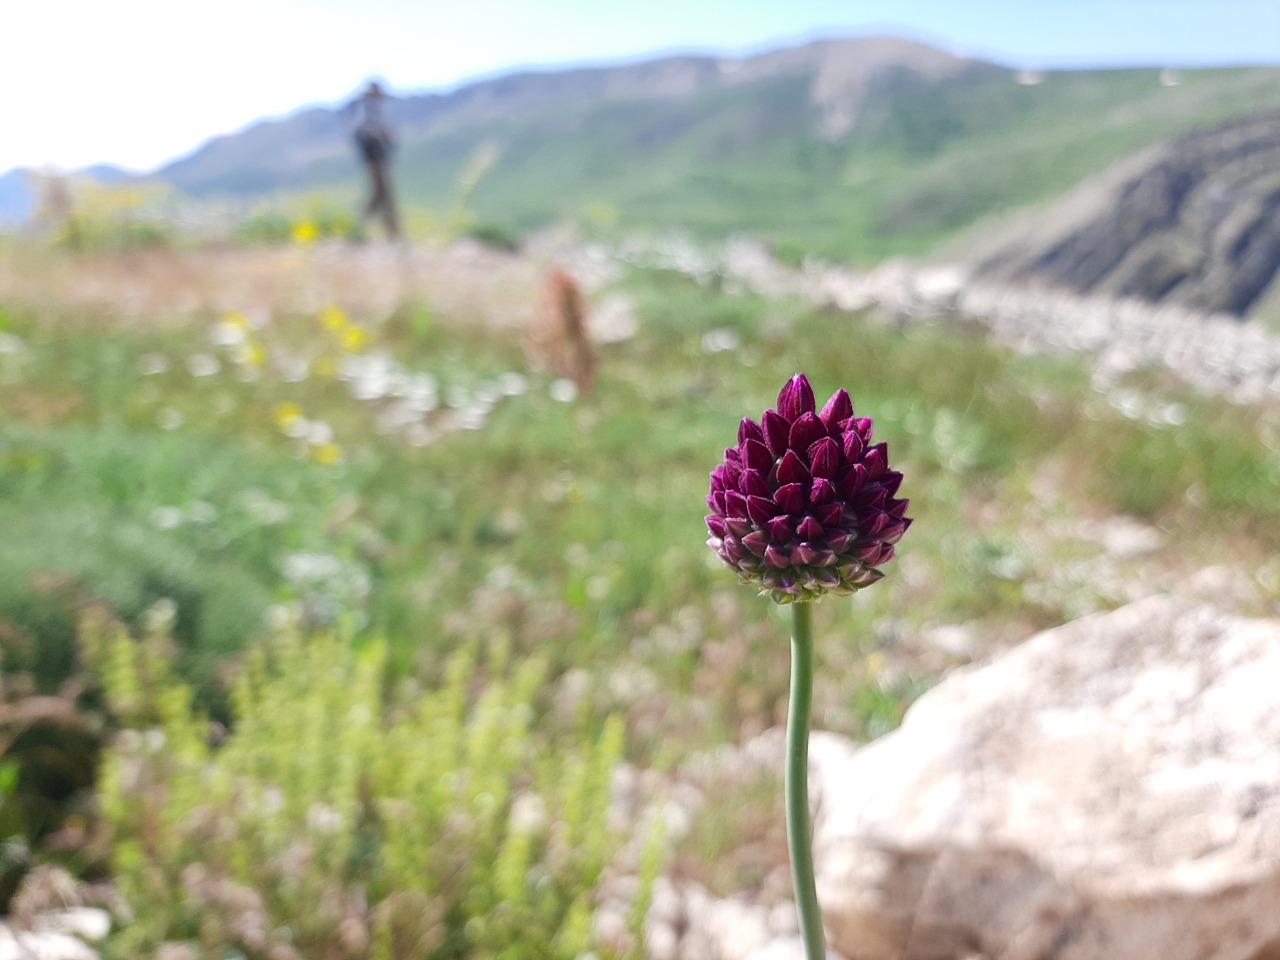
(336, 820)
(80, 510)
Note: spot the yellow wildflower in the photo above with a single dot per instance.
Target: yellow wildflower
(354, 339)
(252, 354)
(333, 318)
(305, 233)
(236, 319)
(287, 414)
(327, 453)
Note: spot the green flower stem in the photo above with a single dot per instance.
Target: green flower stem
(799, 832)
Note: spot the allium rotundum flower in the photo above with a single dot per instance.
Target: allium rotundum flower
(805, 504)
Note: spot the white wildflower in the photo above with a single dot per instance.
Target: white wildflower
(563, 390)
(203, 365)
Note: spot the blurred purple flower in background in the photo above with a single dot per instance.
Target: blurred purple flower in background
(804, 505)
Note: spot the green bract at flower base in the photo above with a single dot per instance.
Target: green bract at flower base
(804, 505)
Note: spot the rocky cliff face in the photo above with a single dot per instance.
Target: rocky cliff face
(1199, 226)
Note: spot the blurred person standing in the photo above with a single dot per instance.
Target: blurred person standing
(375, 141)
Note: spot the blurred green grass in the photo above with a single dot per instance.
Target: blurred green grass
(573, 529)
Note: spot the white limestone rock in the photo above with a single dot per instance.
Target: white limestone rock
(1109, 789)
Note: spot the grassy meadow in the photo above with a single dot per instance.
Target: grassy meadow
(264, 515)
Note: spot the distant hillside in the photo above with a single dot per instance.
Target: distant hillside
(856, 149)
(1197, 224)
(18, 191)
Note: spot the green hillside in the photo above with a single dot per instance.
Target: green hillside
(926, 160)
(927, 155)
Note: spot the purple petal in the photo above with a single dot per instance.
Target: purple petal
(852, 446)
(802, 554)
(738, 526)
(839, 542)
(790, 498)
(823, 558)
(876, 460)
(894, 530)
(780, 529)
(838, 408)
(865, 427)
(851, 570)
(756, 542)
(876, 525)
(735, 504)
(749, 430)
(897, 508)
(891, 481)
(791, 469)
(732, 473)
(715, 502)
(776, 429)
(822, 492)
(778, 559)
(756, 456)
(782, 583)
(761, 510)
(829, 514)
(733, 457)
(717, 526)
(827, 578)
(852, 481)
(869, 577)
(753, 484)
(809, 529)
(731, 550)
(805, 432)
(824, 458)
(870, 497)
(796, 398)
(867, 552)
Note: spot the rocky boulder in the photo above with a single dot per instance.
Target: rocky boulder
(1109, 789)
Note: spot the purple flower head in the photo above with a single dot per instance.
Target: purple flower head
(805, 504)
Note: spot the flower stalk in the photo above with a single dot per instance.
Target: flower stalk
(799, 829)
(805, 506)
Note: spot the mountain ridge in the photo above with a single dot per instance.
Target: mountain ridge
(502, 97)
(851, 149)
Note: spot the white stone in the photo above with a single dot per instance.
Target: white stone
(786, 948)
(953, 639)
(1109, 789)
(722, 929)
(88, 923)
(42, 945)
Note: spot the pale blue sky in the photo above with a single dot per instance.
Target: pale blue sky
(138, 82)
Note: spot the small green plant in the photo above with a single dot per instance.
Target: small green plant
(494, 235)
(338, 821)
